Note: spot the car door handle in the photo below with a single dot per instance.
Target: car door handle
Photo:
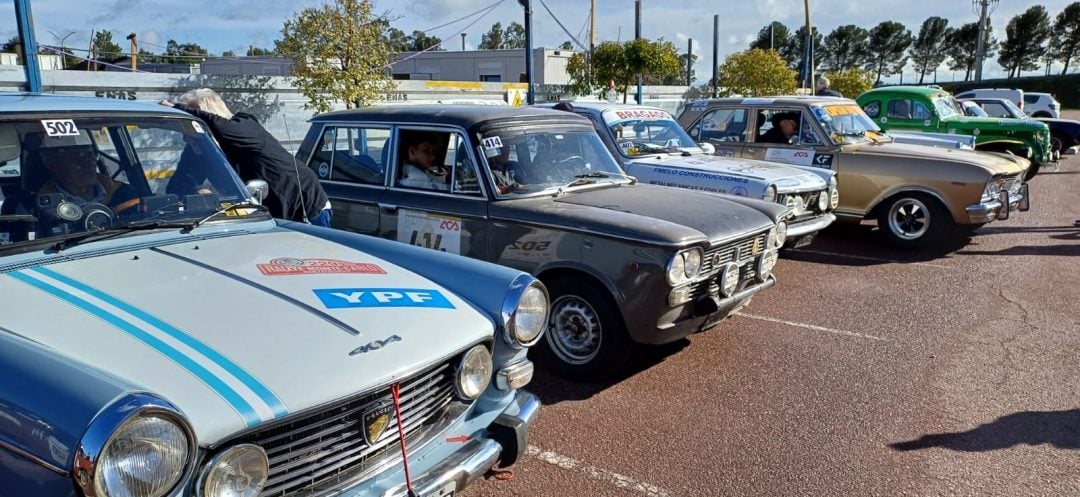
(388, 208)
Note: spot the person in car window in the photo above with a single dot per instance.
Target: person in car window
(420, 170)
(74, 173)
(295, 192)
(785, 125)
(503, 171)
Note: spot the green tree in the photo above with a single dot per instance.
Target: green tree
(395, 38)
(1025, 41)
(254, 51)
(888, 45)
(104, 48)
(148, 57)
(681, 78)
(228, 53)
(852, 82)
(419, 41)
(777, 39)
(621, 63)
(1066, 37)
(756, 72)
(927, 52)
(339, 54)
(567, 45)
(961, 44)
(846, 48)
(794, 54)
(514, 36)
(493, 39)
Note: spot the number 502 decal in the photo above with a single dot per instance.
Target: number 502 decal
(60, 127)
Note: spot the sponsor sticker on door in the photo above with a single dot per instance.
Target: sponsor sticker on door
(798, 157)
(442, 233)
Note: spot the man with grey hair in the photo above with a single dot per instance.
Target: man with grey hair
(823, 89)
(295, 192)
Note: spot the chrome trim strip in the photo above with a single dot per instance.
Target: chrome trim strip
(810, 226)
(326, 317)
(34, 459)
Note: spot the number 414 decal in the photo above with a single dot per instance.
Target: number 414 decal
(60, 127)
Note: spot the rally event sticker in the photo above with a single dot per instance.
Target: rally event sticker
(283, 266)
(198, 127)
(442, 233)
(492, 142)
(60, 127)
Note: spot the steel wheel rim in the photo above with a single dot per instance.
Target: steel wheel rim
(574, 330)
(909, 219)
(1055, 144)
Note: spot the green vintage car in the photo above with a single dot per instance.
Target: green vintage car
(920, 108)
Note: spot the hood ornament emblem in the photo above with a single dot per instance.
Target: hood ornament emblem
(375, 345)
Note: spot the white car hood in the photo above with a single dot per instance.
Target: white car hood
(786, 178)
(202, 325)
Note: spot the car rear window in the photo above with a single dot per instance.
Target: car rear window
(1030, 99)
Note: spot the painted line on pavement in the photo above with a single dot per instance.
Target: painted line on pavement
(612, 478)
(867, 258)
(811, 327)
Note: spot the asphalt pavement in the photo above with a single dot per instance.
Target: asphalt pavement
(865, 371)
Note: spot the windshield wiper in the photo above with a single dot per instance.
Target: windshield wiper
(111, 232)
(590, 178)
(242, 205)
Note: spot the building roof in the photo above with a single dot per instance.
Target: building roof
(464, 116)
(12, 102)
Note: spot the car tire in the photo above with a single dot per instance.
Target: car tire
(586, 338)
(915, 221)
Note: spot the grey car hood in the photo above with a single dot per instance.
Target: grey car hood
(652, 214)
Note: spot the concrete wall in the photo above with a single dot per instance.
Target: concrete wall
(275, 102)
(507, 66)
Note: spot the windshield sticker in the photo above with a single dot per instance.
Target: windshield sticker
(840, 110)
(699, 106)
(60, 127)
(343, 298)
(823, 161)
(790, 156)
(198, 128)
(324, 170)
(820, 113)
(284, 266)
(642, 114)
(442, 233)
(493, 142)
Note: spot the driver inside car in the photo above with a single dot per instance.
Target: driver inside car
(74, 173)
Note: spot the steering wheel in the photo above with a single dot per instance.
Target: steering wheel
(569, 167)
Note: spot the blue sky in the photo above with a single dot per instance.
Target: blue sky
(221, 25)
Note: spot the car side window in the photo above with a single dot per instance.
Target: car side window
(995, 109)
(722, 125)
(872, 109)
(436, 161)
(462, 167)
(899, 109)
(1030, 99)
(920, 111)
(353, 154)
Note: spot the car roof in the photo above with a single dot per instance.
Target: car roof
(605, 106)
(464, 116)
(26, 102)
(778, 100)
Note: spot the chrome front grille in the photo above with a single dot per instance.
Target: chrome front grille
(802, 205)
(319, 452)
(745, 248)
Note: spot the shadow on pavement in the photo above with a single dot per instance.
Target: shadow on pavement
(553, 389)
(1055, 250)
(861, 245)
(1060, 429)
(1002, 230)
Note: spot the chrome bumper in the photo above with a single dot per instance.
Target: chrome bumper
(477, 456)
(809, 226)
(1000, 208)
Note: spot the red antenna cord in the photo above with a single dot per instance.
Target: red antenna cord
(401, 434)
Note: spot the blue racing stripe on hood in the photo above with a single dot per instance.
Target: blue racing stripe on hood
(226, 392)
(272, 401)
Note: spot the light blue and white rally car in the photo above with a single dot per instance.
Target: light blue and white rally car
(161, 335)
(653, 148)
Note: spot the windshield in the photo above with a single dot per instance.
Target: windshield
(525, 161)
(64, 176)
(642, 132)
(946, 106)
(1013, 109)
(846, 123)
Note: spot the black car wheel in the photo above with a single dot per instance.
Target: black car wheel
(915, 221)
(586, 338)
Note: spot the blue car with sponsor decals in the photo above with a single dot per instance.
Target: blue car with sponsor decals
(161, 335)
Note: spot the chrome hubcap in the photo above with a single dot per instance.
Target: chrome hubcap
(909, 219)
(574, 331)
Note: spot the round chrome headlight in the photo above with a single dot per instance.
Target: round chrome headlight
(692, 262)
(145, 457)
(770, 194)
(676, 270)
(823, 201)
(834, 197)
(781, 234)
(765, 264)
(239, 471)
(474, 372)
(729, 279)
(527, 319)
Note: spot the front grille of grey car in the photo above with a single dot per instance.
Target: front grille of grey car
(716, 257)
(803, 205)
(319, 452)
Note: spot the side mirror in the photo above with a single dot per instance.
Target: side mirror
(707, 148)
(258, 189)
(793, 140)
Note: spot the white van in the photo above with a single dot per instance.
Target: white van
(1041, 105)
(1014, 95)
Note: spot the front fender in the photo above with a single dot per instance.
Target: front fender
(911, 188)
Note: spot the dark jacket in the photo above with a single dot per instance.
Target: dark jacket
(828, 92)
(256, 154)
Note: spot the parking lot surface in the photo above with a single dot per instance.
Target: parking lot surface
(865, 371)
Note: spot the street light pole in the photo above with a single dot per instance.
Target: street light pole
(637, 36)
(25, 20)
(527, 5)
(462, 42)
(63, 48)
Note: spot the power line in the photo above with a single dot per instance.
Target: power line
(567, 31)
(455, 21)
(433, 47)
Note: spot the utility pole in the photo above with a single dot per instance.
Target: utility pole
(134, 52)
(808, 52)
(689, 60)
(25, 20)
(592, 27)
(462, 42)
(91, 53)
(531, 95)
(983, 8)
(637, 36)
(715, 54)
(772, 38)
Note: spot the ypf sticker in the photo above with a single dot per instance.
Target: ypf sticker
(342, 298)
